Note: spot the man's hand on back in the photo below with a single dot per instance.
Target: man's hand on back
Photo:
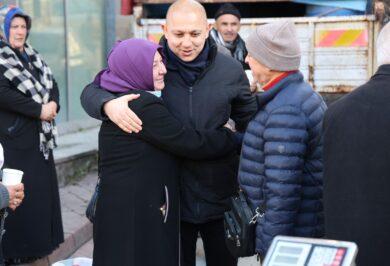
(118, 111)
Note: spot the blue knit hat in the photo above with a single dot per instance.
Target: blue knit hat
(7, 13)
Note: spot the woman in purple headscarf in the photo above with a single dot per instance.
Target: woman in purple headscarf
(137, 214)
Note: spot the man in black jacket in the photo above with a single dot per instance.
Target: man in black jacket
(356, 164)
(203, 89)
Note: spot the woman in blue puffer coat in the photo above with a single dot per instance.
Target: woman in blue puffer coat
(281, 161)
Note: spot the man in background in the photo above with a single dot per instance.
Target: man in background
(381, 10)
(227, 25)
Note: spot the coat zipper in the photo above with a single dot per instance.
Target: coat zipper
(190, 106)
(190, 89)
(192, 119)
(165, 215)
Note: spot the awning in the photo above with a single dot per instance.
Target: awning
(358, 5)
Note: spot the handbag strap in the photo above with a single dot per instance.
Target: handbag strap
(259, 210)
(99, 172)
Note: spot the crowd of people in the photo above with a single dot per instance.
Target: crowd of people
(182, 132)
(282, 162)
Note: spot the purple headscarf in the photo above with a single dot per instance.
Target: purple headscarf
(130, 66)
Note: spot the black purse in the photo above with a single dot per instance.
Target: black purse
(240, 224)
(91, 208)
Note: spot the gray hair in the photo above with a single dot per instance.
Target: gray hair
(383, 46)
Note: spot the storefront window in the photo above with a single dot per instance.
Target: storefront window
(47, 36)
(86, 48)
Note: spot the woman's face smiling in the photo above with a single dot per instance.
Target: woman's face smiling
(159, 72)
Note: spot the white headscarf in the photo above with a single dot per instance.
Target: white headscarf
(1, 156)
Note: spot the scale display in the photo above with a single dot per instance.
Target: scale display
(296, 251)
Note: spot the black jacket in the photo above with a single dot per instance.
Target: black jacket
(357, 169)
(221, 91)
(20, 114)
(140, 174)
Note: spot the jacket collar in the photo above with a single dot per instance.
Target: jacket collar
(276, 80)
(267, 96)
(213, 50)
(383, 70)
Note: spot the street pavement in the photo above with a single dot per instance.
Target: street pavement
(78, 230)
(75, 198)
(84, 251)
(87, 249)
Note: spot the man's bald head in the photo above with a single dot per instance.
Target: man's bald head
(186, 7)
(186, 29)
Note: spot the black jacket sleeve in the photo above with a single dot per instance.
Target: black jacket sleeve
(13, 100)
(244, 105)
(164, 131)
(92, 100)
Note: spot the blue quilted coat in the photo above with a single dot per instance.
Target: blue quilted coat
(281, 161)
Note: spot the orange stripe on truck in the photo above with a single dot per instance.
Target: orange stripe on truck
(342, 38)
(154, 37)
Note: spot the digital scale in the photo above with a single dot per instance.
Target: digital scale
(298, 251)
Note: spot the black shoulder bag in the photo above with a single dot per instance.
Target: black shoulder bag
(240, 224)
(91, 208)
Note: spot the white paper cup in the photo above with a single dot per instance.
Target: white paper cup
(12, 177)
(249, 75)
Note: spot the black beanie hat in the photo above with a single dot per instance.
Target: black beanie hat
(227, 9)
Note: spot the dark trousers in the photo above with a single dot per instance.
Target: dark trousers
(212, 234)
(1, 256)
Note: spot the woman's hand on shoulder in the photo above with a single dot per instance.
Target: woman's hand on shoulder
(119, 113)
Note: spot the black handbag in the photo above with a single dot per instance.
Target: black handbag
(240, 224)
(91, 208)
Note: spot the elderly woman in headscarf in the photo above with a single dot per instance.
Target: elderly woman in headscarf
(29, 101)
(137, 213)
